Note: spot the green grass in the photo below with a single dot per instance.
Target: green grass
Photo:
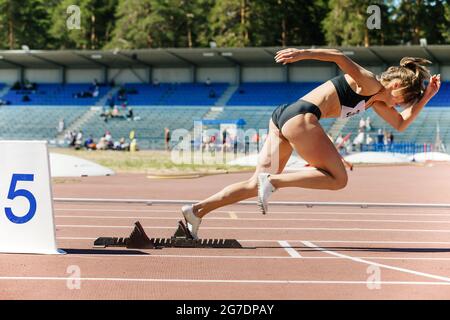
(155, 162)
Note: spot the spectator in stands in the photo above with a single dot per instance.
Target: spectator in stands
(109, 140)
(134, 146)
(224, 140)
(235, 144)
(208, 82)
(167, 138)
(339, 140)
(391, 138)
(123, 145)
(79, 140)
(115, 113)
(90, 143)
(102, 143)
(256, 140)
(27, 85)
(26, 98)
(70, 138)
(368, 124)
(385, 137)
(130, 113)
(380, 136)
(362, 124)
(96, 92)
(95, 83)
(156, 82)
(212, 93)
(61, 125)
(359, 140)
(348, 146)
(212, 142)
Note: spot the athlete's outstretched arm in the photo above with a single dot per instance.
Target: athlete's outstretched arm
(401, 120)
(362, 76)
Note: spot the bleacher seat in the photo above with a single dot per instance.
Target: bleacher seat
(270, 93)
(55, 94)
(188, 94)
(442, 98)
(421, 130)
(35, 123)
(149, 128)
(162, 106)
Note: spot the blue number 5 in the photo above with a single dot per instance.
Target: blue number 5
(13, 193)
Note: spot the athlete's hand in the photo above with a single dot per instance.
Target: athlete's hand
(433, 86)
(289, 55)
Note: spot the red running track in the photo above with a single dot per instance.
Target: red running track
(291, 253)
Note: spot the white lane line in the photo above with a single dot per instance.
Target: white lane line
(417, 273)
(257, 228)
(315, 241)
(234, 216)
(216, 281)
(242, 257)
(291, 251)
(257, 212)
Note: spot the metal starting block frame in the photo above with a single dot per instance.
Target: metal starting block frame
(182, 238)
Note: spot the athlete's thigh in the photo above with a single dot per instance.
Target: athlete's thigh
(275, 152)
(311, 142)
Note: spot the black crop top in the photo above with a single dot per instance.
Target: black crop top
(351, 102)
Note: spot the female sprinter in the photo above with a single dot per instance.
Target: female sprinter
(296, 126)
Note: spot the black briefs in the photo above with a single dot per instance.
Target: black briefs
(287, 111)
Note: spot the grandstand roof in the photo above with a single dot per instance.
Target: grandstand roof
(202, 57)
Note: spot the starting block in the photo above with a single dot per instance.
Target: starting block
(182, 238)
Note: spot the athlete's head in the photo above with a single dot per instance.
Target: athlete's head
(406, 82)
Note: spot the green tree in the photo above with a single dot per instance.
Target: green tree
(230, 23)
(133, 25)
(445, 26)
(24, 23)
(345, 23)
(161, 23)
(287, 22)
(421, 19)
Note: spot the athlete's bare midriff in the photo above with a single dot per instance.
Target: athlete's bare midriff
(326, 98)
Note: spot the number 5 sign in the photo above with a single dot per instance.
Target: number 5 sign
(26, 202)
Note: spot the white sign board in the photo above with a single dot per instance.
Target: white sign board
(26, 202)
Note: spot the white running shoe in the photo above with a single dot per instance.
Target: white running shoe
(265, 189)
(192, 221)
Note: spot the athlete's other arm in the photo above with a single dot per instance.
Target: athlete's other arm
(401, 120)
(362, 76)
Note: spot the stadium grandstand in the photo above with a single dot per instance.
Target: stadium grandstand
(153, 89)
